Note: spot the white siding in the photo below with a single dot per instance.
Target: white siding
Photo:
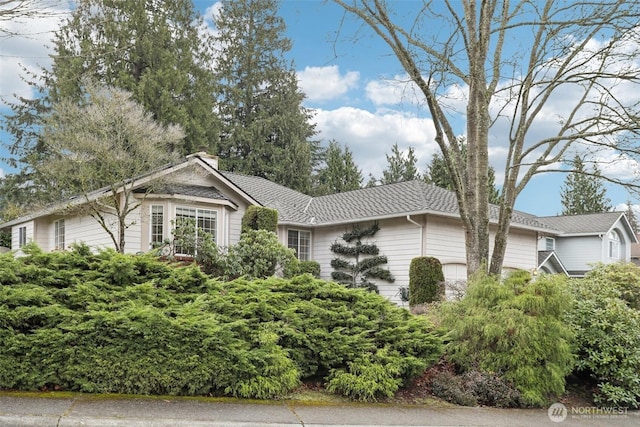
(85, 229)
(15, 234)
(398, 240)
(133, 233)
(521, 250)
(445, 241)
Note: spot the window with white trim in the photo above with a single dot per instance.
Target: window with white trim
(614, 244)
(58, 234)
(22, 236)
(157, 225)
(203, 221)
(300, 241)
(550, 243)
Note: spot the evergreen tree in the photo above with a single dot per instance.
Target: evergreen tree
(340, 172)
(358, 261)
(400, 167)
(266, 130)
(152, 49)
(631, 216)
(438, 174)
(583, 191)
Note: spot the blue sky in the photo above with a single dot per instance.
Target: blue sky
(349, 84)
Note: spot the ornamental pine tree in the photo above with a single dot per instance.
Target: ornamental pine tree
(357, 262)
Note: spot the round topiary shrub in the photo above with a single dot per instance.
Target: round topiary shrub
(426, 280)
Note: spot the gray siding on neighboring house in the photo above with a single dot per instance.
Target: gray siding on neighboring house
(578, 252)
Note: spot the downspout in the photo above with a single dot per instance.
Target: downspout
(421, 233)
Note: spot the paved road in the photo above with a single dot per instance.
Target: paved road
(92, 411)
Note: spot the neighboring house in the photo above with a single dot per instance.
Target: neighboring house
(415, 219)
(635, 251)
(585, 240)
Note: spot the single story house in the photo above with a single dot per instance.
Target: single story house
(415, 219)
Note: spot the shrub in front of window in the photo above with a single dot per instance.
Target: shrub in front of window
(260, 218)
(426, 281)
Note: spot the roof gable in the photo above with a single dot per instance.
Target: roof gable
(587, 224)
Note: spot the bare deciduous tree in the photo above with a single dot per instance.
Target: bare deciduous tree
(99, 150)
(511, 61)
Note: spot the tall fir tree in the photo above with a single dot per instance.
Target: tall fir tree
(266, 130)
(358, 261)
(340, 172)
(632, 217)
(438, 174)
(154, 49)
(583, 191)
(400, 167)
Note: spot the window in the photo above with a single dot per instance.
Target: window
(22, 236)
(157, 225)
(58, 234)
(201, 221)
(550, 243)
(614, 245)
(300, 241)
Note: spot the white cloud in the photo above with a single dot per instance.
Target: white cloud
(324, 83)
(370, 136)
(24, 43)
(394, 91)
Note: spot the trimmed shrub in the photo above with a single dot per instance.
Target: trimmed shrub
(260, 218)
(426, 281)
(515, 329)
(73, 322)
(608, 333)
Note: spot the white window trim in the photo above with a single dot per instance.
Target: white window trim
(614, 244)
(196, 208)
(546, 243)
(22, 236)
(297, 248)
(164, 227)
(58, 237)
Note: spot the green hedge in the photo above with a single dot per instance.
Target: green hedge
(260, 218)
(426, 281)
(114, 323)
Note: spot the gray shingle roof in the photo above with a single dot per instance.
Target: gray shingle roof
(290, 204)
(367, 203)
(582, 224)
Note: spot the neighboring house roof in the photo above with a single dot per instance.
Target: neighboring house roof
(587, 224)
(550, 258)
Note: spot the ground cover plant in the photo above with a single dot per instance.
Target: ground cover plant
(115, 323)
